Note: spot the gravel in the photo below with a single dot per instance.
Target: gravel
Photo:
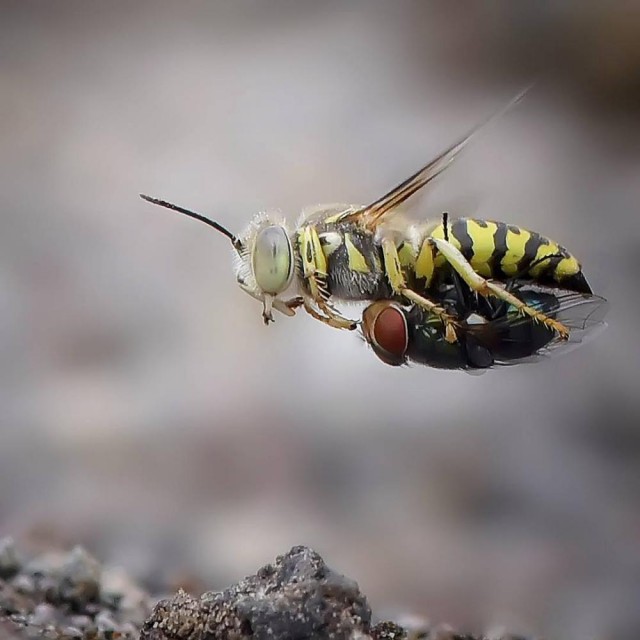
(66, 595)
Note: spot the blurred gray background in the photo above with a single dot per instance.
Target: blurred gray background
(147, 412)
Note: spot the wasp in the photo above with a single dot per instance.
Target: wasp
(490, 333)
(343, 252)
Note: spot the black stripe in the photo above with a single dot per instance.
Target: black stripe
(499, 249)
(549, 269)
(548, 266)
(460, 233)
(365, 244)
(577, 282)
(530, 252)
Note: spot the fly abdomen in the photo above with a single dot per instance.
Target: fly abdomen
(503, 251)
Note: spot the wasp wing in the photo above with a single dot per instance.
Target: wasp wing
(372, 215)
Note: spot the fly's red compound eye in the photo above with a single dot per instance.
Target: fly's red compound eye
(385, 329)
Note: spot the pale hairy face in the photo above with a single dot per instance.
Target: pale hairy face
(265, 265)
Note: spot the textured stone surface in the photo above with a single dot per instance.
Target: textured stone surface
(297, 596)
(68, 595)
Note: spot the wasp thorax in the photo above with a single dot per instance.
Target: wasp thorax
(272, 260)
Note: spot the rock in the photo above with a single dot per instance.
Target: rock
(296, 597)
(80, 578)
(11, 600)
(68, 596)
(119, 592)
(57, 596)
(43, 615)
(388, 631)
(9, 560)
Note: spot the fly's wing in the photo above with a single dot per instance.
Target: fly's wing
(374, 214)
(582, 314)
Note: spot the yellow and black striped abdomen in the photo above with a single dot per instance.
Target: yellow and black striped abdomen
(502, 251)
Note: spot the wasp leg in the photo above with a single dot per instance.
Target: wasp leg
(331, 317)
(334, 320)
(314, 271)
(399, 286)
(512, 283)
(287, 307)
(294, 303)
(486, 288)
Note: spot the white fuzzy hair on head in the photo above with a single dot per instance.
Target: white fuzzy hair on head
(242, 259)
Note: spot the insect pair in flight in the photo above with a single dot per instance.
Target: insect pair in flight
(459, 294)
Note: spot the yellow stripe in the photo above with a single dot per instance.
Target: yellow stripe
(314, 262)
(543, 250)
(438, 232)
(483, 246)
(566, 267)
(320, 260)
(357, 261)
(516, 243)
(306, 252)
(392, 264)
(407, 256)
(425, 264)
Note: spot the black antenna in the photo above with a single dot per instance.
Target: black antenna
(192, 214)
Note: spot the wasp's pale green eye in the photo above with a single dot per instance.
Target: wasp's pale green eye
(272, 260)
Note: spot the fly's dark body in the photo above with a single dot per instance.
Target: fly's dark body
(490, 333)
(501, 336)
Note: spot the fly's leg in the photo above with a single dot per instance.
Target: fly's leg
(314, 271)
(486, 288)
(399, 286)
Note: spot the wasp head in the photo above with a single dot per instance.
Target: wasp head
(265, 262)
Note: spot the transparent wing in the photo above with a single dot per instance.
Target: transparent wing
(582, 314)
(373, 214)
